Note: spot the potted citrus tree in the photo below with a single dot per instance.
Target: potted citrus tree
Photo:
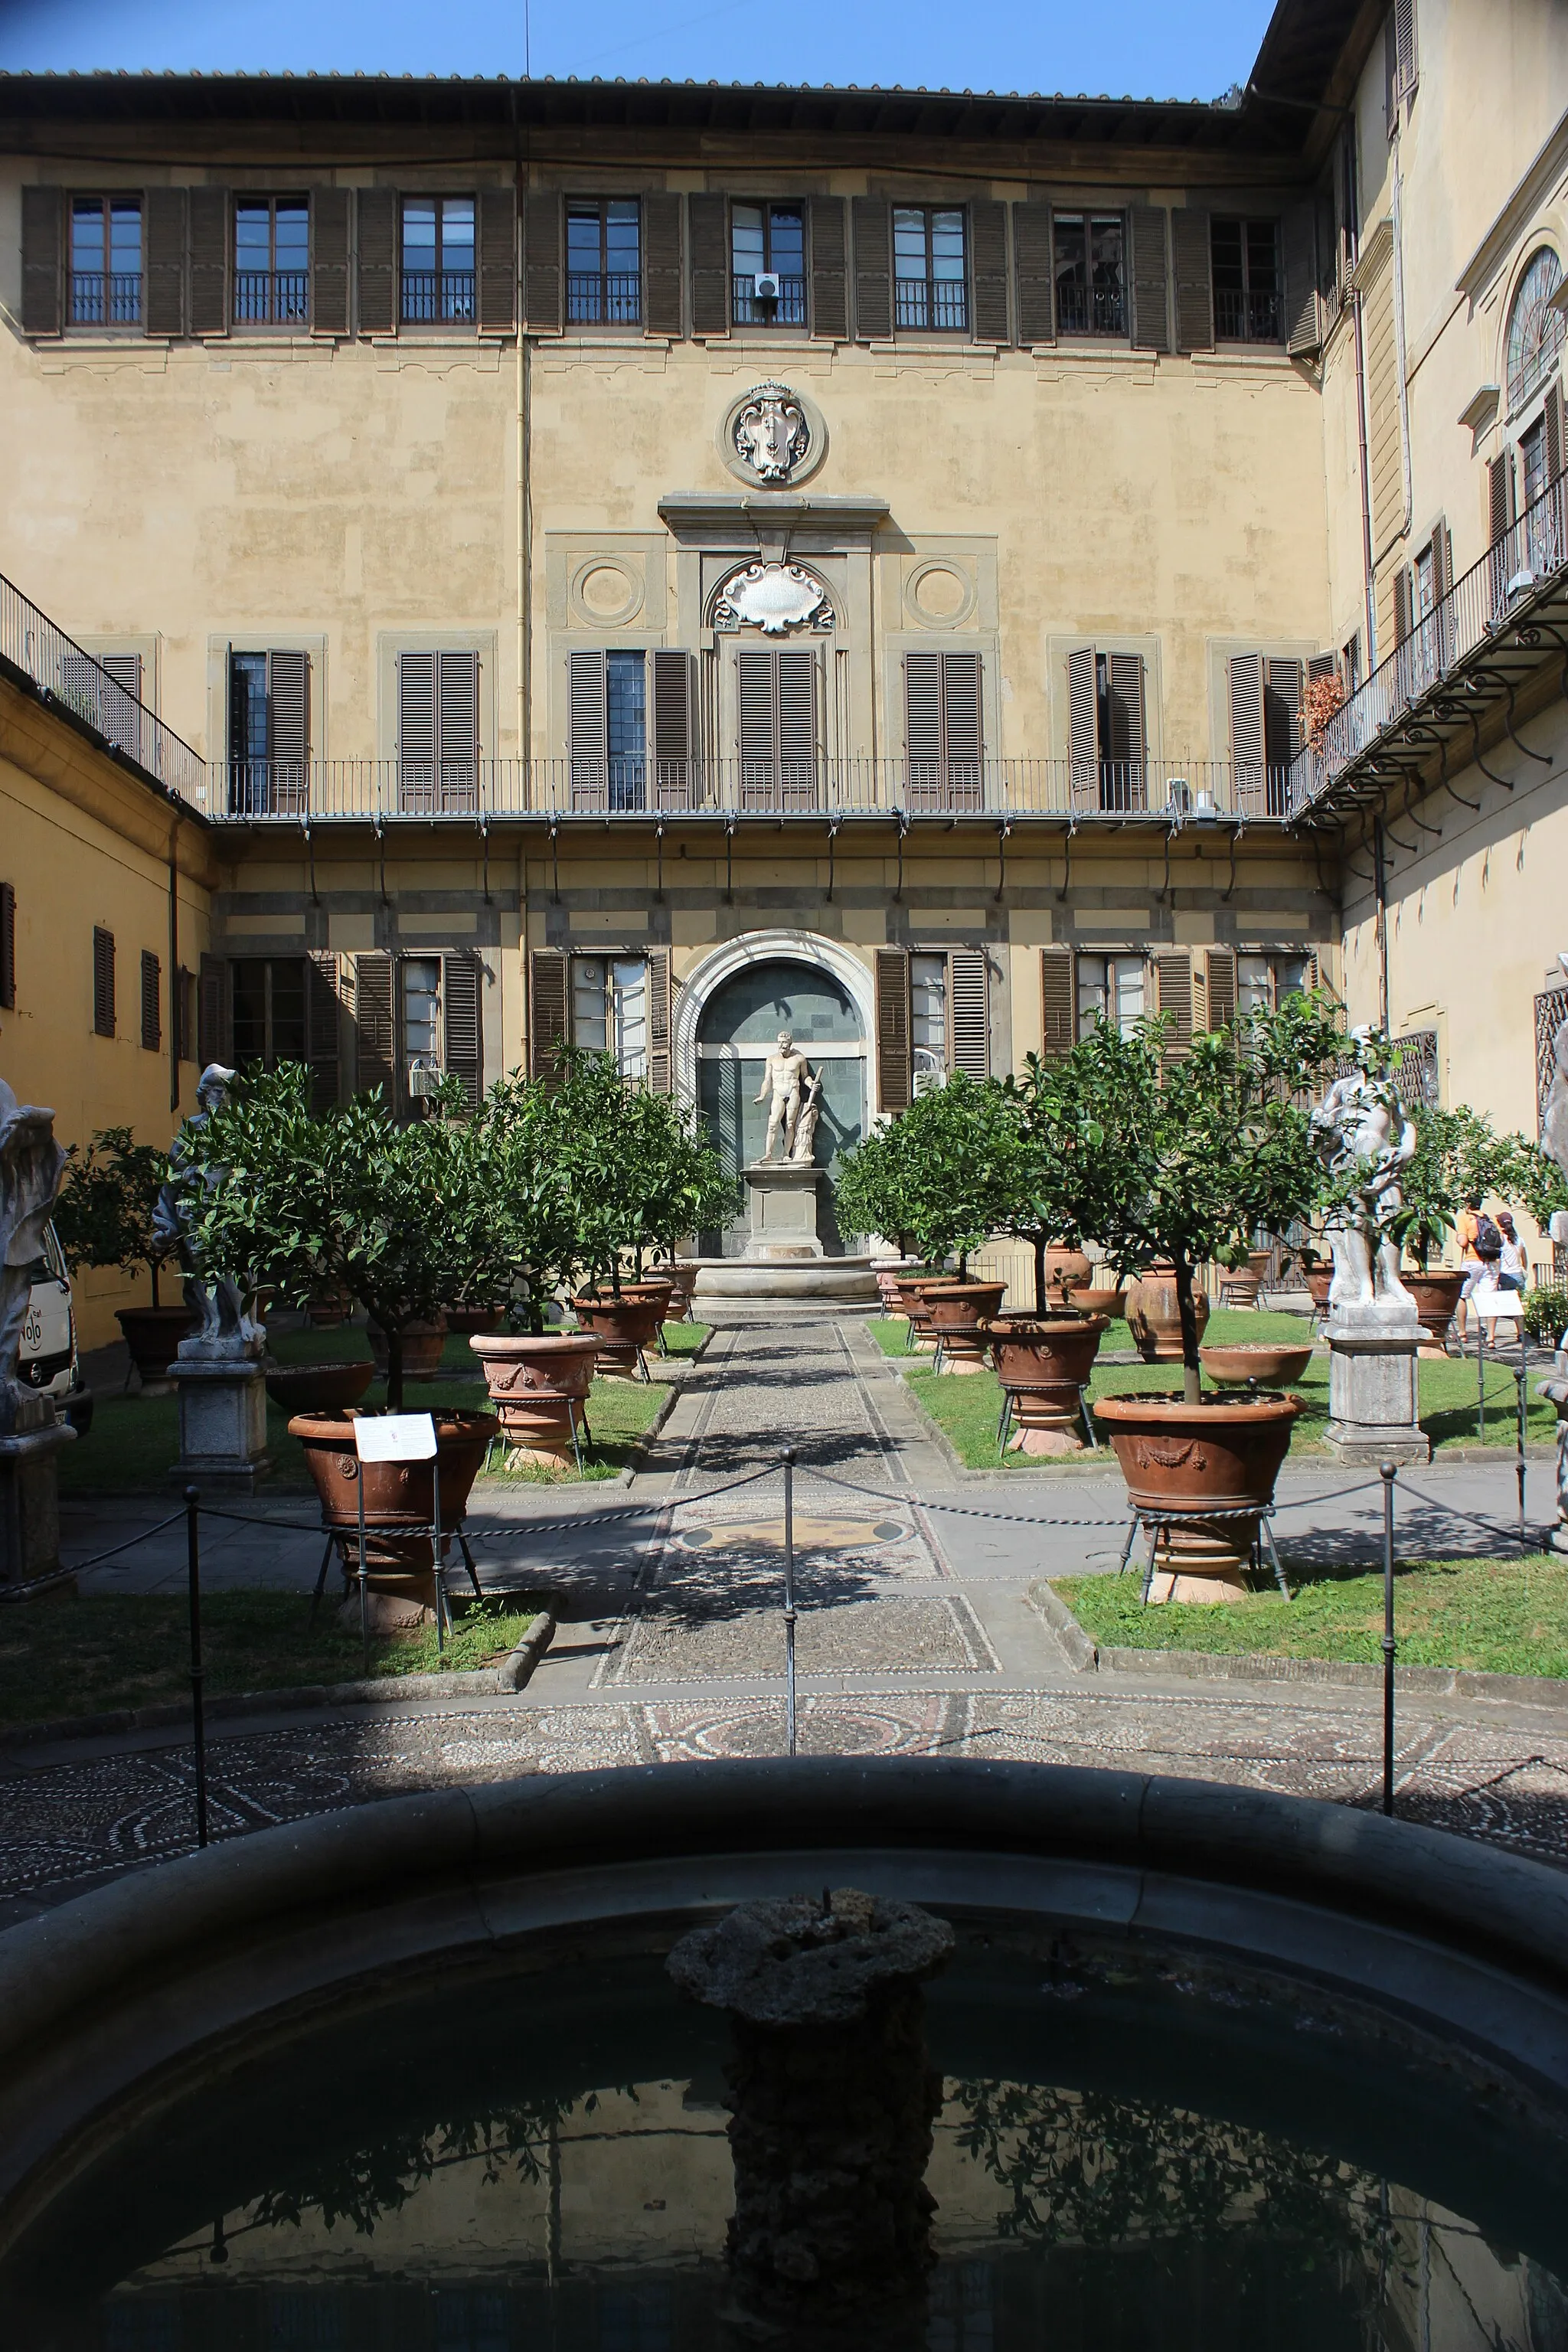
(1179, 1160)
(1456, 1159)
(104, 1217)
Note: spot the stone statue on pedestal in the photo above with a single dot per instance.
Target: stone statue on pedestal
(222, 1326)
(803, 1150)
(785, 1074)
(217, 1370)
(31, 1167)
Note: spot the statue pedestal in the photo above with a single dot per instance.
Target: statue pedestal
(783, 1195)
(1554, 1389)
(30, 1500)
(223, 1420)
(1373, 1403)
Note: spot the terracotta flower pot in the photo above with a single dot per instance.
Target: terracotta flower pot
(1239, 1285)
(466, 1320)
(1065, 1270)
(681, 1273)
(319, 1388)
(1271, 1365)
(1259, 1263)
(1319, 1280)
(538, 1387)
(422, 1346)
(329, 1307)
(625, 1325)
(961, 1315)
(153, 1334)
(398, 1497)
(1044, 1362)
(1436, 1295)
(1213, 1456)
(1108, 1300)
(1154, 1317)
(909, 1290)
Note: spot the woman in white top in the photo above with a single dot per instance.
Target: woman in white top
(1511, 1268)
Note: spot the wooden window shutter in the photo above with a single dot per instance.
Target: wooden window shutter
(457, 717)
(829, 270)
(663, 292)
(672, 729)
(323, 1048)
(1499, 497)
(1083, 724)
(587, 699)
(212, 1011)
(330, 261)
(1405, 46)
(1129, 732)
(1150, 324)
(1174, 995)
(1299, 239)
(289, 712)
(1282, 711)
(543, 229)
(873, 225)
(1247, 718)
(495, 234)
(152, 1002)
(102, 981)
(7, 947)
(893, 1049)
(1400, 605)
(988, 270)
(377, 261)
(968, 1014)
(462, 1029)
(43, 260)
(962, 710)
(164, 229)
(376, 1040)
(1035, 265)
(709, 265)
(657, 997)
(1058, 1003)
(417, 720)
(1220, 976)
(922, 707)
(209, 260)
(1554, 437)
(548, 1014)
(797, 713)
(184, 1042)
(1390, 74)
(1193, 253)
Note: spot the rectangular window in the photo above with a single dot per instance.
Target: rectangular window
(1264, 982)
(1247, 296)
(767, 253)
(942, 730)
(930, 268)
(928, 1016)
(106, 261)
(603, 262)
(1107, 725)
(272, 261)
(1091, 274)
(268, 1010)
(437, 733)
(630, 734)
(102, 982)
(1110, 988)
(152, 1004)
(107, 693)
(609, 1009)
(438, 260)
(269, 733)
(419, 993)
(776, 694)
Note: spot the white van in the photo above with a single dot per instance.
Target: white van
(47, 1359)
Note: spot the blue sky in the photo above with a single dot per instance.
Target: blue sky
(1145, 47)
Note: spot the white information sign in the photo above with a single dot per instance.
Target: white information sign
(395, 1437)
(1498, 1305)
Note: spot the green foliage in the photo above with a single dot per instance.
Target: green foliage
(104, 1215)
(944, 1175)
(638, 1168)
(1455, 1158)
(1546, 1315)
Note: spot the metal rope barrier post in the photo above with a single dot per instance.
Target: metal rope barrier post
(1522, 1375)
(1481, 1378)
(198, 1725)
(1389, 1473)
(364, 1596)
(789, 1594)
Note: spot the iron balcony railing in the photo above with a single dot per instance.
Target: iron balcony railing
(939, 303)
(598, 297)
(1172, 791)
(433, 296)
(1247, 318)
(1090, 310)
(271, 297)
(1482, 603)
(105, 298)
(32, 643)
(752, 309)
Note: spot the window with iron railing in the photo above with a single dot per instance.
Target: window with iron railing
(1248, 304)
(272, 261)
(767, 249)
(603, 262)
(931, 279)
(1091, 273)
(106, 261)
(437, 261)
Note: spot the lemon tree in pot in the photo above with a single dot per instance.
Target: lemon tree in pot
(104, 1217)
(1179, 1159)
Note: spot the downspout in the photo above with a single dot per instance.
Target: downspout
(174, 1005)
(1369, 600)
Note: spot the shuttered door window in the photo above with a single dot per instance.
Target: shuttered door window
(213, 1037)
(548, 1017)
(672, 730)
(1150, 324)
(43, 260)
(829, 269)
(1281, 727)
(586, 721)
(375, 1060)
(7, 947)
(1400, 605)
(107, 693)
(1303, 333)
(184, 1035)
(462, 1051)
(544, 279)
(1123, 771)
(164, 212)
(323, 1047)
(377, 261)
(210, 211)
(152, 1002)
(1032, 261)
(496, 231)
(944, 730)
(1500, 514)
(663, 293)
(1219, 973)
(776, 695)
(1173, 997)
(330, 261)
(873, 226)
(988, 270)
(710, 218)
(289, 721)
(1247, 731)
(437, 732)
(102, 982)
(894, 1074)
(1194, 284)
(659, 1008)
(968, 1014)
(1058, 1003)
(1083, 725)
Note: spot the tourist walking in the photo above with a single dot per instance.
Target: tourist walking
(1511, 1268)
(1466, 1225)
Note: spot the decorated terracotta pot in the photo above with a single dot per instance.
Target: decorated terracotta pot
(399, 1496)
(1272, 1364)
(1106, 1298)
(1154, 1315)
(909, 1290)
(153, 1335)
(1436, 1295)
(319, 1388)
(1065, 1270)
(961, 1315)
(422, 1347)
(625, 1325)
(681, 1273)
(538, 1388)
(1215, 1457)
(1044, 1362)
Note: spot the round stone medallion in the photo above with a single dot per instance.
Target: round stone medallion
(606, 593)
(940, 596)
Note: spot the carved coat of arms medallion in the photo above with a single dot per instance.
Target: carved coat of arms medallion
(772, 597)
(770, 432)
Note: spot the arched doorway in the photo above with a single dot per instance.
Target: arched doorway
(736, 1029)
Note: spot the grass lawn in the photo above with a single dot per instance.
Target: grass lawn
(967, 1408)
(134, 1438)
(83, 1656)
(1493, 1616)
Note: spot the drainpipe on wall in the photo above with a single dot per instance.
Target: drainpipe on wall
(1369, 600)
(1380, 871)
(174, 1007)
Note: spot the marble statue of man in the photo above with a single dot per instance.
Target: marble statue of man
(1363, 1134)
(32, 1165)
(803, 1150)
(784, 1078)
(224, 1328)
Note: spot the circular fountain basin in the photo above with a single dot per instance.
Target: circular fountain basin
(391, 2059)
